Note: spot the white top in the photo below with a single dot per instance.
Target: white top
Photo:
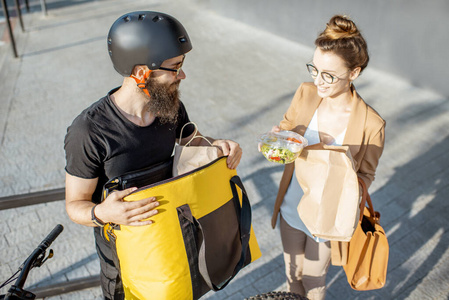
(294, 192)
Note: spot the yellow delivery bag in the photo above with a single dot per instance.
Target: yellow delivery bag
(200, 239)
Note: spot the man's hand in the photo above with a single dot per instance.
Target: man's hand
(232, 149)
(136, 213)
(113, 209)
(227, 147)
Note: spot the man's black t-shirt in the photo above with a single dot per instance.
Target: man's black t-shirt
(103, 143)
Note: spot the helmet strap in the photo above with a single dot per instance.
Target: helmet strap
(141, 83)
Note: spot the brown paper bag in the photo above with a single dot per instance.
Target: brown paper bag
(187, 158)
(330, 205)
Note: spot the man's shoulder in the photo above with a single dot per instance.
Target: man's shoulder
(97, 109)
(96, 112)
(86, 128)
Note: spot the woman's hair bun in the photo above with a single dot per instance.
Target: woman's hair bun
(341, 27)
(343, 38)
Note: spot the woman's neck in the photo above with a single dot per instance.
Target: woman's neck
(339, 102)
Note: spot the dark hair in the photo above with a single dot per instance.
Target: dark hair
(342, 37)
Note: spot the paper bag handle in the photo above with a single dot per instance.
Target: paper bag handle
(194, 134)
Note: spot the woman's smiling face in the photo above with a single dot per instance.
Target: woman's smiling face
(328, 62)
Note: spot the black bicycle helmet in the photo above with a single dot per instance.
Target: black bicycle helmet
(145, 38)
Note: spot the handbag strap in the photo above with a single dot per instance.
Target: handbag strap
(244, 219)
(366, 199)
(194, 134)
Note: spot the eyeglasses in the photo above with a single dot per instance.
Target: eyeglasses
(327, 77)
(174, 70)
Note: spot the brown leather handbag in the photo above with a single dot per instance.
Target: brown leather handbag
(367, 251)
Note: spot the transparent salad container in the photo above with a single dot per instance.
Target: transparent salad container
(282, 147)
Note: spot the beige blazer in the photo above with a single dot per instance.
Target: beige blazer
(365, 135)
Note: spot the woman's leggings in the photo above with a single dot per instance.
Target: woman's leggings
(306, 262)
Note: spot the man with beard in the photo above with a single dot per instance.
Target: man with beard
(134, 126)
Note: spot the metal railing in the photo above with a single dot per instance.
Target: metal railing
(32, 198)
(21, 200)
(19, 15)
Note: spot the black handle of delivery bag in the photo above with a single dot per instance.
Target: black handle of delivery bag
(244, 218)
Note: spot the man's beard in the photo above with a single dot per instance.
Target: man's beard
(164, 101)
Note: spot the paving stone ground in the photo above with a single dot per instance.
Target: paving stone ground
(240, 80)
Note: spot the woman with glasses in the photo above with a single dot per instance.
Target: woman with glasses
(328, 111)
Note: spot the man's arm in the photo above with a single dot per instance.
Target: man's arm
(227, 147)
(113, 209)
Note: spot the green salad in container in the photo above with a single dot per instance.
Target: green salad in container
(282, 147)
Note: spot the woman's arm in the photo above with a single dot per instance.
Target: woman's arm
(370, 159)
